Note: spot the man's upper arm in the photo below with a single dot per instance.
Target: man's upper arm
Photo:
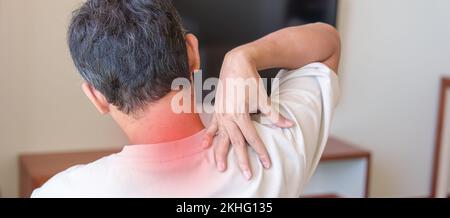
(308, 96)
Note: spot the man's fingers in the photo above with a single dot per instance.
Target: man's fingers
(277, 119)
(240, 148)
(280, 121)
(252, 137)
(266, 107)
(221, 149)
(210, 133)
(242, 155)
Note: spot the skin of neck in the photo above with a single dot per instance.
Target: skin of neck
(158, 123)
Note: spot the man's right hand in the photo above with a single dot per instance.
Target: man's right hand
(232, 119)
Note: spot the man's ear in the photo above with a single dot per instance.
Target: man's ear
(193, 52)
(97, 98)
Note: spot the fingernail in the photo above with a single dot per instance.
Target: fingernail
(266, 163)
(247, 174)
(289, 123)
(221, 166)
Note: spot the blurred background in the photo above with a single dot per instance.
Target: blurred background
(394, 56)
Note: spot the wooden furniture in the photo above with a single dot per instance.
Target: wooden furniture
(36, 169)
(344, 171)
(440, 184)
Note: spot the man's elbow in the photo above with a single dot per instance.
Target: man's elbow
(333, 39)
(332, 34)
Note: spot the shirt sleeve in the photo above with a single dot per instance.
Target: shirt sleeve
(307, 96)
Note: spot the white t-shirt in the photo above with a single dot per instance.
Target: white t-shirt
(182, 168)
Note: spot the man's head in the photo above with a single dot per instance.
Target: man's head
(130, 51)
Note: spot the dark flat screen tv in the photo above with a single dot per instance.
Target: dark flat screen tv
(222, 25)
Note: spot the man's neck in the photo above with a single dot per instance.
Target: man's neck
(159, 124)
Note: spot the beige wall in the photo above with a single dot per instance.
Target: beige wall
(394, 53)
(42, 106)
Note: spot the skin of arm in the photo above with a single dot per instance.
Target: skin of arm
(293, 47)
(289, 48)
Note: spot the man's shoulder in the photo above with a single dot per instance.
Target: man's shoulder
(75, 180)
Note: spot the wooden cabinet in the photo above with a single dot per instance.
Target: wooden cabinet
(344, 171)
(343, 178)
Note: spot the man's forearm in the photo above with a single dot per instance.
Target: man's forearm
(295, 47)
